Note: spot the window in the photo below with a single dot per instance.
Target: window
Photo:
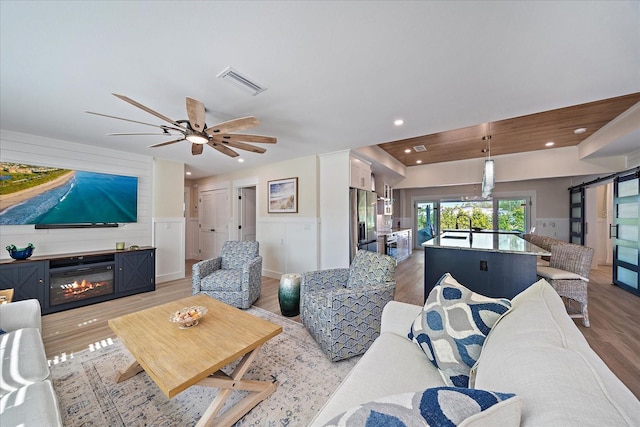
(503, 214)
(426, 221)
(456, 215)
(432, 217)
(512, 215)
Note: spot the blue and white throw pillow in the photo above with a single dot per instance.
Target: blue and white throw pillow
(441, 406)
(452, 327)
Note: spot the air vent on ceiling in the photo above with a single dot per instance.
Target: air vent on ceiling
(419, 148)
(243, 82)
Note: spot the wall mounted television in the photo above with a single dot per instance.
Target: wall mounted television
(50, 197)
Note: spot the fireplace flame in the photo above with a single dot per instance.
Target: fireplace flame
(79, 287)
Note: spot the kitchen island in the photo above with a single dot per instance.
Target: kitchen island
(492, 264)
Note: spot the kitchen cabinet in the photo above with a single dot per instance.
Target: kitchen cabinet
(404, 244)
(388, 200)
(398, 244)
(360, 176)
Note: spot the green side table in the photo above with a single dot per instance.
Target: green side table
(289, 294)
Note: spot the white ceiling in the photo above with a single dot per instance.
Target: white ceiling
(337, 73)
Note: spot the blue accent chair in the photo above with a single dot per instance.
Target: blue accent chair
(342, 308)
(235, 277)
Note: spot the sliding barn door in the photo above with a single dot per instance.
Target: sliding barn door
(576, 215)
(625, 232)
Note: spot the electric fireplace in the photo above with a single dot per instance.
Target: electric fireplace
(79, 282)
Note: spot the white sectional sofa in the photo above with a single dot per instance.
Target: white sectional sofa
(27, 398)
(534, 351)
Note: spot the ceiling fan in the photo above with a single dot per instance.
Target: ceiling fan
(196, 131)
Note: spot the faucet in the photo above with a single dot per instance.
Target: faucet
(470, 232)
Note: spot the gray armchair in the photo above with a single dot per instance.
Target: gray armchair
(342, 307)
(235, 277)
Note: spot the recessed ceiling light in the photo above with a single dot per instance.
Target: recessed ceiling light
(549, 144)
(408, 150)
(398, 122)
(580, 130)
(188, 173)
(241, 160)
(418, 161)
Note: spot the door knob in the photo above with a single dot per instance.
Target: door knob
(213, 229)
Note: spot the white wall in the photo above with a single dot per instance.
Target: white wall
(289, 243)
(168, 220)
(334, 209)
(30, 149)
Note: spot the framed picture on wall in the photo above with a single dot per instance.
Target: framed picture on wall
(283, 195)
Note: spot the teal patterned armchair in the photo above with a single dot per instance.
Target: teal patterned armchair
(235, 277)
(342, 308)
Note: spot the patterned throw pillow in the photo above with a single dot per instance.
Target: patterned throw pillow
(452, 327)
(442, 406)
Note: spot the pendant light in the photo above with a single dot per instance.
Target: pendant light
(488, 177)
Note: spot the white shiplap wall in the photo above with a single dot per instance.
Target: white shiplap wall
(30, 149)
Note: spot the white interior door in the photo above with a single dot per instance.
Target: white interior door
(206, 240)
(220, 219)
(247, 231)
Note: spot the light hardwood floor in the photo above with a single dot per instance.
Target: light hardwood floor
(614, 333)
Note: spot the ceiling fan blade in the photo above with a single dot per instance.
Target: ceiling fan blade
(196, 149)
(223, 149)
(248, 138)
(241, 146)
(136, 133)
(133, 121)
(195, 112)
(167, 143)
(246, 147)
(233, 125)
(149, 110)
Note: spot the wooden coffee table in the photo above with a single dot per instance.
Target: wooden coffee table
(177, 359)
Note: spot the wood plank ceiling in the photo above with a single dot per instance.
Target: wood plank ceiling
(520, 134)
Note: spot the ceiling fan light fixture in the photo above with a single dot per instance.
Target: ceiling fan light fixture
(197, 139)
(243, 82)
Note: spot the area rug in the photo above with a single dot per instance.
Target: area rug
(89, 396)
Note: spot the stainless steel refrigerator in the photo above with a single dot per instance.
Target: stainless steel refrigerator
(362, 227)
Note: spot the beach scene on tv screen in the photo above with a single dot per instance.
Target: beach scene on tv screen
(31, 194)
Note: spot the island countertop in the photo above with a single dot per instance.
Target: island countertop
(490, 242)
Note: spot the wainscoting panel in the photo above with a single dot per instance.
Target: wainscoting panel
(288, 245)
(191, 246)
(168, 238)
(553, 227)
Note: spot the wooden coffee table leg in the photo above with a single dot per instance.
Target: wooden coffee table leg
(258, 391)
(131, 371)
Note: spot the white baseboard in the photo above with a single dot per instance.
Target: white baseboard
(169, 277)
